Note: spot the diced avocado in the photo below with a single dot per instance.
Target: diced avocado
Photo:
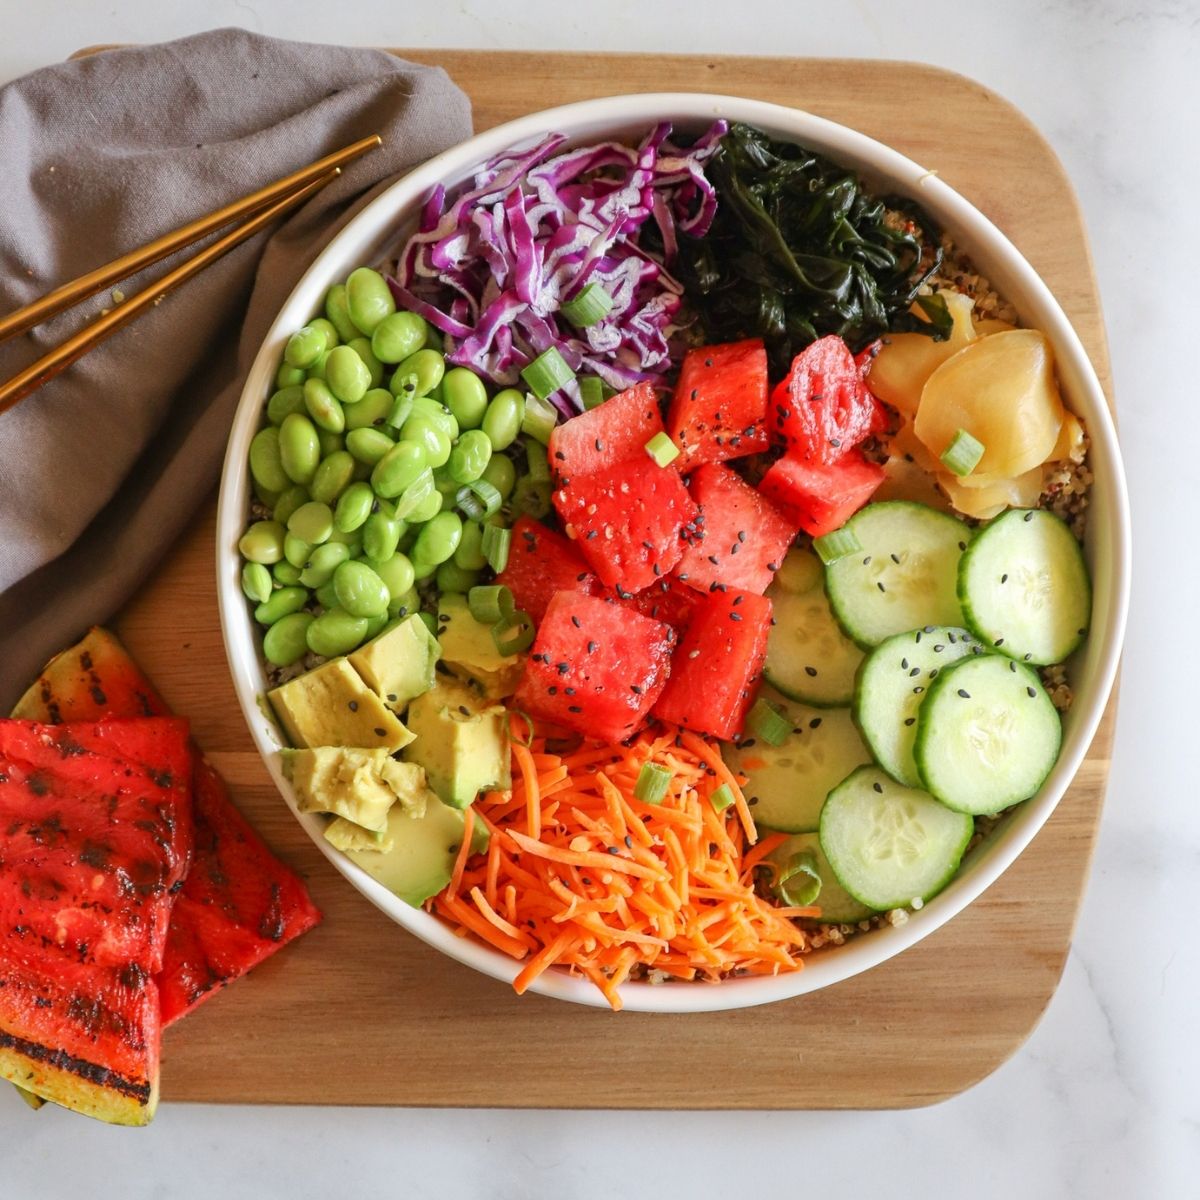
(332, 706)
(421, 859)
(469, 649)
(399, 663)
(342, 780)
(347, 836)
(462, 745)
(408, 782)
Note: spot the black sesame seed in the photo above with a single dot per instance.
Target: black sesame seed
(633, 687)
(574, 708)
(353, 706)
(999, 642)
(735, 616)
(592, 647)
(591, 533)
(895, 558)
(815, 723)
(599, 445)
(772, 567)
(867, 561)
(562, 668)
(811, 672)
(575, 621)
(552, 690)
(904, 664)
(1004, 578)
(964, 693)
(628, 841)
(880, 586)
(380, 732)
(878, 787)
(712, 558)
(738, 599)
(581, 576)
(1028, 517)
(910, 720)
(392, 697)
(656, 569)
(1030, 692)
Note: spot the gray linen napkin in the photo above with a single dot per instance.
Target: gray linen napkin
(101, 469)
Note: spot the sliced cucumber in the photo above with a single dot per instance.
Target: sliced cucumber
(891, 685)
(889, 845)
(837, 906)
(906, 575)
(788, 783)
(809, 658)
(1024, 587)
(987, 735)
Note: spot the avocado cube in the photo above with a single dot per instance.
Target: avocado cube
(331, 706)
(399, 664)
(344, 781)
(348, 835)
(469, 649)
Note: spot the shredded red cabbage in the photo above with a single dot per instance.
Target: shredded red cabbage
(491, 266)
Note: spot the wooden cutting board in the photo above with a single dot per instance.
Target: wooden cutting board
(360, 1012)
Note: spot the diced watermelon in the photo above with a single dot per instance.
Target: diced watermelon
(741, 537)
(715, 670)
(823, 409)
(626, 520)
(609, 433)
(540, 563)
(595, 667)
(821, 498)
(719, 407)
(664, 600)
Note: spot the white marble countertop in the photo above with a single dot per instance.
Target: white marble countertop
(1103, 1100)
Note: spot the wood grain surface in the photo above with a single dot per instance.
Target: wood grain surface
(360, 1012)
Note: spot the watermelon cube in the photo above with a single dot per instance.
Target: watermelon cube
(715, 670)
(613, 431)
(719, 408)
(595, 667)
(667, 600)
(540, 563)
(821, 497)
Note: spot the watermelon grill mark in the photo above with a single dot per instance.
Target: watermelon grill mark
(91, 1072)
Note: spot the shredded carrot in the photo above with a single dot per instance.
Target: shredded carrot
(580, 874)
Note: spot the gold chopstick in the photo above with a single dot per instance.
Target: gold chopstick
(74, 348)
(129, 264)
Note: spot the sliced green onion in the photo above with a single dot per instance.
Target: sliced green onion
(478, 499)
(591, 305)
(532, 497)
(539, 464)
(662, 449)
(416, 494)
(591, 388)
(402, 408)
(836, 545)
(768, 723)
(525, 740)
(496, 541)
(799, 882)
(547, 373)
(652, 782)
(721, 798)
(963, 454)
(490, 603)
(513, 633)
(540, 418)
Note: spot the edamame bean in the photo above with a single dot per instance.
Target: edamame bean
(284, 402)
(362, 347)
(265, 463)
(371, 411)
(399, 468)
(347, 376)
(376, 625)
(381, 536)
(352, 541)
(286, 640)
(286, 600)
(444, 482)
(427, 365)
(353, 507)
(501, 474)
(329, 443)
(322, 563)
(368, 299)
(296, 550)
(430, 622)
(285, 574)
(326, 596)
(333, 476)
(265, 497)
(470, 456)
(502, 421)
(317, 370)
(288, 502)
(406, 604)
(328, 328)
(438, 539)
(434, 339)
(335, 632)
(422, 430)
(469, 555)
(452, 578)
(428, 508)
(397, 336)
(368, 445)
(263, 542)
(532, 497)
(465, 396)
(299, 449)
(256, 582)
(338, 313)
(397, 574)
(323, 406)
(304, 347)
(360, 591)
(288, 376)
(312, 521)
(436, 412)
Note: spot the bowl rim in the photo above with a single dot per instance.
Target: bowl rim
(591, 119)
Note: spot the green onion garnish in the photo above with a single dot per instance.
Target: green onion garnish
(527, 739)
(478, 499)
(402, 408)
(490, 603)
(721, 798)
(836, 545)
(591, 305)
(591, 388)
(963, 454)
(415, 494)
(532, 497)
(652, 782)
(496, 541)
(539, 464)
(768, 723)
(799, 882)
(540, 418)
(662, 449)
(547, 373)
(513, 633)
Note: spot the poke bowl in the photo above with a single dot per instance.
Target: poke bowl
(560, 869)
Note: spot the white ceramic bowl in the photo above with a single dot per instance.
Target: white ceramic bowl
(376, 233)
